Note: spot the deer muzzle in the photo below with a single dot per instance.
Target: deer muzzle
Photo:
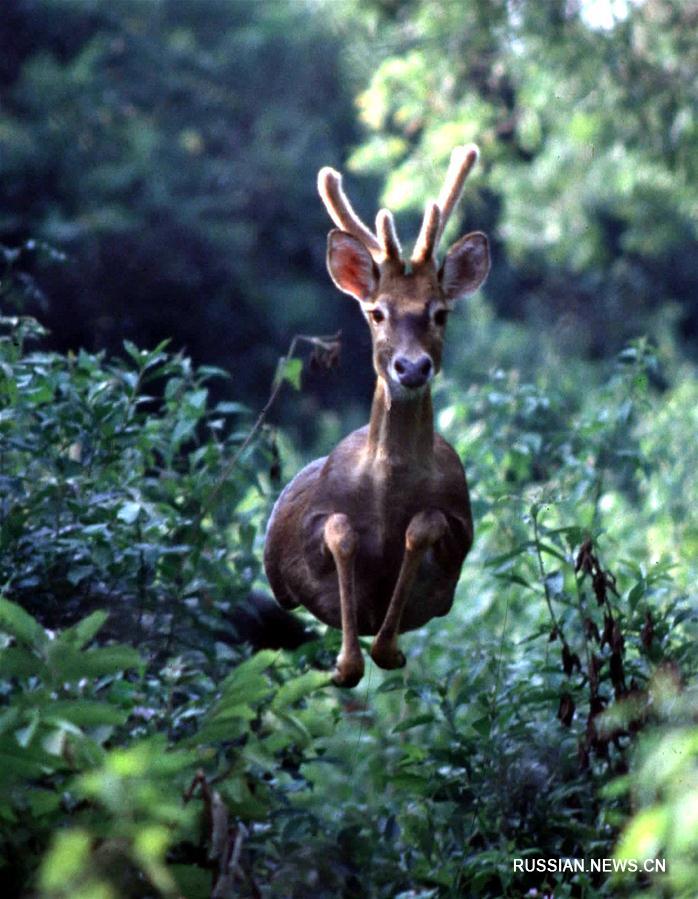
(413, 373)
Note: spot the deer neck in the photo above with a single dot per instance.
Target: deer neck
(401, 431)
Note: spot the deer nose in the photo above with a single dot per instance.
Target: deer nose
(413, 372)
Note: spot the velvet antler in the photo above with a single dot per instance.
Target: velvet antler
(384, 244)
(329, 185)
(387, 235)
(437, 214)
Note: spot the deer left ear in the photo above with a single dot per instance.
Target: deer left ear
(466, 266)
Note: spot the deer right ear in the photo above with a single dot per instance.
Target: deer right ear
(350, 265)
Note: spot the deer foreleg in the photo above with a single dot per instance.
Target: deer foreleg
(424, 530)
(341, 541)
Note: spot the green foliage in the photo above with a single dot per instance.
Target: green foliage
(588, 143)
(664, 789)
(143, 751)
(107, 491)
(170, 149)
(517, 710)
(62, 706)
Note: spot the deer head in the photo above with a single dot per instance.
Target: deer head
(406, 304)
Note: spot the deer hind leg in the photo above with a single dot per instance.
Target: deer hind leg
(342, 542)
(424, 530)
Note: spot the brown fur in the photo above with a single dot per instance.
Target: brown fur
(371, 538)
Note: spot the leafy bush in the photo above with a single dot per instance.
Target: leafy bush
(113, 496)
(145, 752)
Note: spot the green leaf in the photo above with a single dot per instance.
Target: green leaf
(482, 725)
(413, 721)
(411, 783)
(81, 633)
(645, 834)
(66, 859)
(9, 719)
(392, 682)
(300, 732)
(25, 734)
(228, 408)
(212, 371)
(296, 689)
(551, 551)
(85, 713)
(193, 882)
(43, 802)
(513, 578)
(249, 689)
(196, 399)
(111, 660)
(507, 556)
(20, 624)
(24, 762)
(77, 573)
(129, 512)
(134, 352)
(289, 370)
(218, 731)
(184, 428)
(246, 672)
(69, 664)
(223, 711)
(636, 594)
(18, 662)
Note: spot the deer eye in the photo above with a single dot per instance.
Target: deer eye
(377, 316)
(441, 317)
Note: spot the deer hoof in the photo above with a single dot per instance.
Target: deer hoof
(387, 655)
(348, 672)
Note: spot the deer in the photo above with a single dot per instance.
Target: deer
(371, 538)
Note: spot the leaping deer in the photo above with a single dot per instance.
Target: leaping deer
(371, 538)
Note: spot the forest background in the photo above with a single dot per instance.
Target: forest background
(162, 243)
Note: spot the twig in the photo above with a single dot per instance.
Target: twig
(325, 343)
(546, 589)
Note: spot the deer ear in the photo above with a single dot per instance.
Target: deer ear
(350, 265)
(466, 266)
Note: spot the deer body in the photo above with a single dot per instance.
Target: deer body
(371, 538)
(380, 498)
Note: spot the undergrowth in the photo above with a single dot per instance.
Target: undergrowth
(148, 752)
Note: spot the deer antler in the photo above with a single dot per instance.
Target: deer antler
(382, 245)
(387, 235)
(437, 214)
(428, 235)
(329, 185)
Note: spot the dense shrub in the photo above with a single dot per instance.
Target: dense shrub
(146, 754)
